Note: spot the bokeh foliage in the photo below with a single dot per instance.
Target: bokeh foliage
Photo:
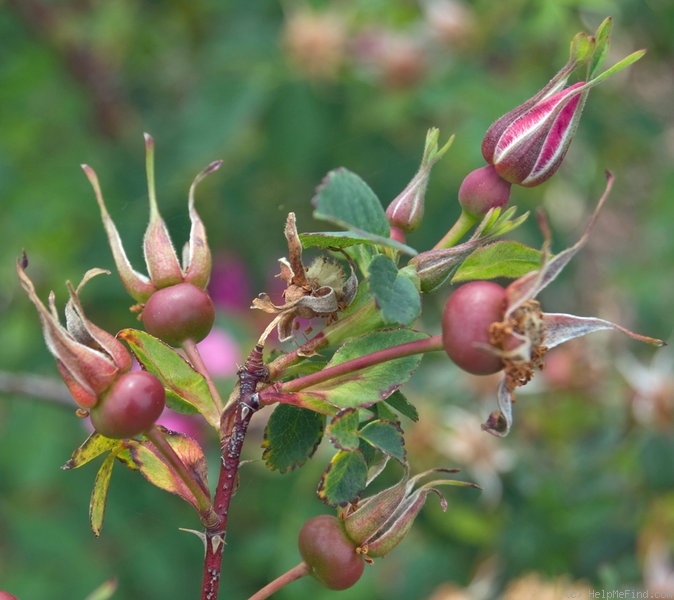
(589, 486)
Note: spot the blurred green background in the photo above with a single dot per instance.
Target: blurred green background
(580, 496)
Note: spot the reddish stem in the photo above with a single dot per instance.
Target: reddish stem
(289, 576)
(429, 344)
(233, 425)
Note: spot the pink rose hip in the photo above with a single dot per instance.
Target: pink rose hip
(465, 325)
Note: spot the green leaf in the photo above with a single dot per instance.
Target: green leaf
(291, 437)
(601, 43)
(395, 294)
(398, 402)
(93, 446)
(187, 390)
(387, 437)
(370, 385)
(159, 472)
(345, 239)
(347, 201)
(619, 66)
(344, 479)
(100, 494)
(343, 429)
(500, 259)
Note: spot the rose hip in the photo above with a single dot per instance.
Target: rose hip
(331, 556)
(465, 325)
(179, 312)
(130, 406)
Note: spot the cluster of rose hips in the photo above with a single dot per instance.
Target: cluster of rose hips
(135, 400)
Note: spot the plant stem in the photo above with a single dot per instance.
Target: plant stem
(190, 348)
(429, 344)
(457, 231)
(350, 325)
(234, 425)
(289, 576)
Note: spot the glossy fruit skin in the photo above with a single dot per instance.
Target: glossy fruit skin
(7, 596)
(179, 312)
(131, 406)
(331, 556)
(465, 322)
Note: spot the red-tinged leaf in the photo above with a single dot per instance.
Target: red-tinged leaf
(187, 390)
(157, 470)
(100, 494)
(93, 446)
(344, 479)
(291, 437)
(343, 429)
(387, 437)
(366, 386)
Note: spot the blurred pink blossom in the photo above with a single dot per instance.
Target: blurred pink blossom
(221, 353)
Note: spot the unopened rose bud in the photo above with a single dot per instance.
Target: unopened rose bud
(407, 210)
(527, 146)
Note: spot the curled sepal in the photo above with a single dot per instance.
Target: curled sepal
(560, 328)
(136, 284)
(160, 255)
(88, 358)
(161, 259)
(197, 253)
(320, 290)
(379, 523)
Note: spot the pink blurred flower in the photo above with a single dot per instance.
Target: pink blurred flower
(220, 353)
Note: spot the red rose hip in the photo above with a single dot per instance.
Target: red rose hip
(331, 556)
(465, 325)
(179, 312)
(131, 405)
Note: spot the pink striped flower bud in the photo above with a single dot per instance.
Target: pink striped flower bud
(527, 145)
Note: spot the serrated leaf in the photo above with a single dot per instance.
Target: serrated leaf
(500, 259)
(347, 201)
(291, 437)
(387, 437)
(399, 402)
(370, 385)
(100, 494)
(345, 239)
(395, 294)
(344, 479)
(382, 411)
(93, 446)
(343, 429)
(187, 390)
(159, 472)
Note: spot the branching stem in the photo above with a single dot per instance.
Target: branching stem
(429, 344)
(233, 425)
